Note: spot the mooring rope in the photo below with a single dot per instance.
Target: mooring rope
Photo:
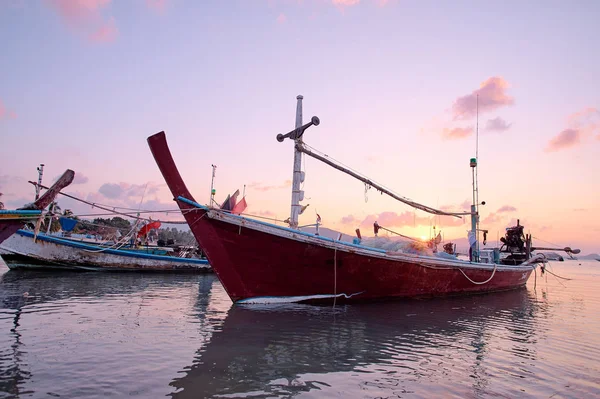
(334, 276)
(482, 282)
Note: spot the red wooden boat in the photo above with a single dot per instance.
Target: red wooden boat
(260, 262)
(13, 220)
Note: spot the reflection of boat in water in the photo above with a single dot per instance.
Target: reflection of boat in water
(21, 250)
(48, 286)
(25, 295)
(268, 350)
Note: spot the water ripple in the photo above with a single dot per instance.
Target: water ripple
(93, 335)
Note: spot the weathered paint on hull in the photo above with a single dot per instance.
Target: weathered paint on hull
(11, 221)
(9, 227)
(54, 253)
(255, 262)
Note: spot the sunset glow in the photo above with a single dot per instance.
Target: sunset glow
(401, 90)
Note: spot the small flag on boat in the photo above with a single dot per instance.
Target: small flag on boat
(303, 208)
(318, 218)
(225, 205)
(146, 228)
(230, 201)
(233, 200)
(438, 239)
(239, 207)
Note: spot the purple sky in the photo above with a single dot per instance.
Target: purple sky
(395, 83)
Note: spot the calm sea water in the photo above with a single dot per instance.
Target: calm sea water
(98, 335)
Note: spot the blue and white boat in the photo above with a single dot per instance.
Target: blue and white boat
(24, 250)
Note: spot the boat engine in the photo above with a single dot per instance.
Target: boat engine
(515, 244)
(514, 239)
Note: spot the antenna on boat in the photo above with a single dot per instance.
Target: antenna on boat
(474, 235)
(40, 170)
(477, 169)
(212, 184)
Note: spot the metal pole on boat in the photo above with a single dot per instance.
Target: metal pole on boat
(298, 177)
(40, 170)
(212, 184)
(474, 245)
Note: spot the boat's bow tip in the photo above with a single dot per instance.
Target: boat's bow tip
(68, 176)
(157, 136)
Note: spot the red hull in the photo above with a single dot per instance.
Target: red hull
(256, 260)
(253, 264)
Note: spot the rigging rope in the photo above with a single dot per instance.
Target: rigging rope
(341, 167)
(401, 235)
(334, 276)
(120, 242)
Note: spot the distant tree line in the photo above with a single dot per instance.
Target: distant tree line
(108, 227)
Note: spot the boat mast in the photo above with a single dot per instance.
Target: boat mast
(212, 185)
(474, 245)
(475, 205)
(298, 176)
(299, 148)
(477, 178)
(40, 170)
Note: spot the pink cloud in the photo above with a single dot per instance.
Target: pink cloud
(345, 3)
(350, 219)
(447, 221)
(580, 125)
(497, 125)
(457, 133)
(85, 17)
(158, 6)
(393, 219)
(463, 206)
(133, 204)
(80, 178)
(126, 191)
(492, 218)
(6, 113)
(265, 214)
(589, 118)
(260, 187)
(586, 121)
(281, 19)
(513, 222)
(565, 139)
(507, 208)
(492, 95)
(106, 33)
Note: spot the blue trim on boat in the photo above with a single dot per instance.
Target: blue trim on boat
(120, 252)
(20, 212)
(303, 233)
